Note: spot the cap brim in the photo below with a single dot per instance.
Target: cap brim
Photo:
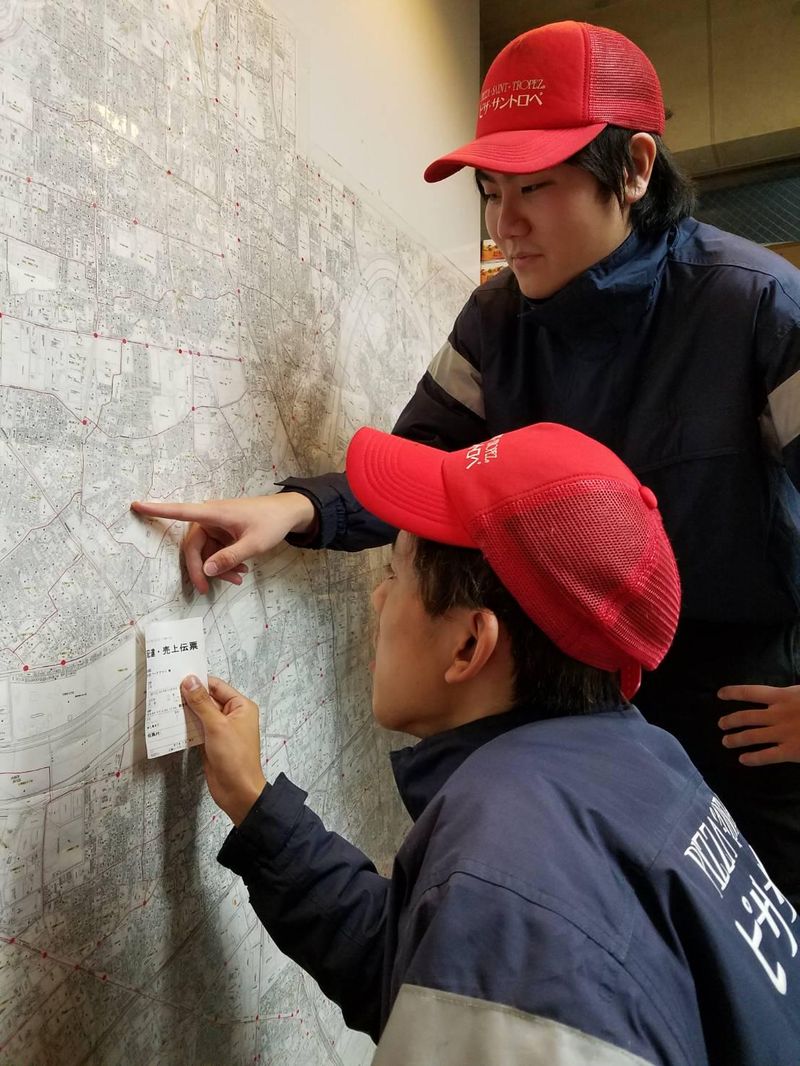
(515, 151)
(400, 482)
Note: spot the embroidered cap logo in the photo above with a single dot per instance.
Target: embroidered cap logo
(482, 453)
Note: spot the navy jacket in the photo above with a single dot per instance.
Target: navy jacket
(682, 354)
(571, 891)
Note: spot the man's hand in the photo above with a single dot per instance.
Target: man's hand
(231, 754)
(777, 723)
(225, 533)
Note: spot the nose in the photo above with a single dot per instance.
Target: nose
(510, 220)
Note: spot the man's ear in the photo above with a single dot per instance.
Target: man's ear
(643, 153)
(480, 637)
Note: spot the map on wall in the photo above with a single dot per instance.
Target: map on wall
(190, 310)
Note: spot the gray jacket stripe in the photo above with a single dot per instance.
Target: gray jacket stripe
(784, 403)
(459, 378)
(429, 1027)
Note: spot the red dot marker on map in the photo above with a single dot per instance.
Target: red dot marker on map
(25, 668)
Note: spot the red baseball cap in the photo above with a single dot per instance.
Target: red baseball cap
(551, 91)
(566, 526)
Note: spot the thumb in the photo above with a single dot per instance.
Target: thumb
(229, 557)
(200, 700)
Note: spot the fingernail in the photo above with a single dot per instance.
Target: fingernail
(211, 569)
(191, 682)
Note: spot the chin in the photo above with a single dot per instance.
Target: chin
(536, 290)
(393, 721)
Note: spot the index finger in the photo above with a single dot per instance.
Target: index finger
(183, 512)
(222, 691)
(749, 693)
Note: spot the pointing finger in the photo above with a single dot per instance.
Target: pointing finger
(183, 512)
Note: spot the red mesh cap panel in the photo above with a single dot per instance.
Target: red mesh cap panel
(590, 564)
(623, 87)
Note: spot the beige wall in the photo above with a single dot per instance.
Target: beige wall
(393, 85)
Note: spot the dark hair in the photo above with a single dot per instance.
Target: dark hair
(543, 675)
(670, 194)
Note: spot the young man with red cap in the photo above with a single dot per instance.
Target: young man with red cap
(672, 342)
(571, 890)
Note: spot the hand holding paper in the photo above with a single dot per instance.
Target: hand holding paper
(232, 755)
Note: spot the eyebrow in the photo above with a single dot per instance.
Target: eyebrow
(481, 175)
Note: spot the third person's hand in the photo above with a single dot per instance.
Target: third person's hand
(777, 723)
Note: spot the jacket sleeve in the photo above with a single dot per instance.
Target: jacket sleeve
(320, 899)
(494, 977)
(446, 411)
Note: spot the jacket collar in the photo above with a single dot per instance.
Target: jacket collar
(422, 769)
(609, 298)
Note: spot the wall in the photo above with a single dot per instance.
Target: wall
(388, 87)
(212, 270)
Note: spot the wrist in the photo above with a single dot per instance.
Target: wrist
(304, 514)
(240, 806)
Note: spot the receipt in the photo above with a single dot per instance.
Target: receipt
(173, 649)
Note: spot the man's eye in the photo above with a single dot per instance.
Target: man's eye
(388, 573)
(530, 188)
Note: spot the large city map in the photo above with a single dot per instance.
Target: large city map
(189, 309)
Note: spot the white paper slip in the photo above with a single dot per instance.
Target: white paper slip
(173, 650)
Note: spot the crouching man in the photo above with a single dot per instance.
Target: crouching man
(571, 891)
